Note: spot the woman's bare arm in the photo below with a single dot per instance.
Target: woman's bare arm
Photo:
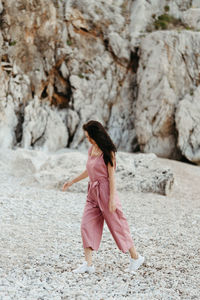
(111, 173)
(82, 176)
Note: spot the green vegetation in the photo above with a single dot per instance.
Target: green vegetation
(69, 42)
(166, 8)
(163, 22)
(12, 43)
(191, 92)
(166, 21)
(189, 28)
(80, 75)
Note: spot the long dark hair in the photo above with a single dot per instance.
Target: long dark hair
(98, 133)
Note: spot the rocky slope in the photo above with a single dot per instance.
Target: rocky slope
(133, 65)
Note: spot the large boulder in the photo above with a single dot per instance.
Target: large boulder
(135, 172)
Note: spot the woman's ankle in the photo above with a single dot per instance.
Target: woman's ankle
(89, 263)
(135, 256)
(133, 253)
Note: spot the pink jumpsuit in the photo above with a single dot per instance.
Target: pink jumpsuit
(96, 209)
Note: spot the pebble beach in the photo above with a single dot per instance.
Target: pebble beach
(40, 243)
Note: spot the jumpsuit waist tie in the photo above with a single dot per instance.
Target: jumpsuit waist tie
(95, 184)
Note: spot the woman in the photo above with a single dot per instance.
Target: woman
(102, 200)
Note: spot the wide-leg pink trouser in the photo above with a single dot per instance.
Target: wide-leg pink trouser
(96, 211)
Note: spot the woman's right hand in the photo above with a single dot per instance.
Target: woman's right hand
(67, 185)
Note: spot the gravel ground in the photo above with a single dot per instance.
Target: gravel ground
(40, 243)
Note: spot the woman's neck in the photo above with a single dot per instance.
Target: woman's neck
(96, 151)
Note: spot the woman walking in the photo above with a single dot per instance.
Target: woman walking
(102, 200)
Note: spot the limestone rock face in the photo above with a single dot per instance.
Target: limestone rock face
(44, 127)
(188, 126)
(191, 17)
(66, 62)
(166, 73)
(8, 123)
(77, 57)
(1, 7)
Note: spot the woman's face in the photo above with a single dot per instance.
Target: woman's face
(89, 138)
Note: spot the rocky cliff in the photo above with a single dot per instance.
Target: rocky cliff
(133, 65)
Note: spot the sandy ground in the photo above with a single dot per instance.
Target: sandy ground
(40, 243)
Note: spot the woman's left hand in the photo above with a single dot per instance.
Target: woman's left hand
(112, 206)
